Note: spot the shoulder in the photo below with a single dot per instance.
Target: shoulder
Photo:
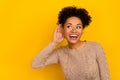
(93, 44)
(97, 48)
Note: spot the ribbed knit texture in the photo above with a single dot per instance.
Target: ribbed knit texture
(88, 62)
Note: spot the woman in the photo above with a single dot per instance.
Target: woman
(80, 60)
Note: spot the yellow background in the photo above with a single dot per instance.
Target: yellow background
(26, 26)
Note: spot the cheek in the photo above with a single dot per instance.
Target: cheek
(80, 31)
(66, 33)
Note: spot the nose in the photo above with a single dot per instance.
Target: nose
(73, 29)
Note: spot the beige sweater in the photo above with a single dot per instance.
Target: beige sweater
(86, 63)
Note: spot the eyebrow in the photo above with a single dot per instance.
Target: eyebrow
(77, 24)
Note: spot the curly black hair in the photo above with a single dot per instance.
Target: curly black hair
(71, 11)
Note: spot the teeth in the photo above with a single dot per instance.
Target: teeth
(73, 35)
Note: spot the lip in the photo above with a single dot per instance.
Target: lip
(73, 36)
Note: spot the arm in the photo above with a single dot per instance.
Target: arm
(102, 63)
(49, 55)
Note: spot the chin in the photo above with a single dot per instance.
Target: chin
(73, 41)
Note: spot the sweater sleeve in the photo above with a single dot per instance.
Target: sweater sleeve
(102, 63)
(47, 56)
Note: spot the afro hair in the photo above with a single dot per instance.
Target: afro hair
(71, 11)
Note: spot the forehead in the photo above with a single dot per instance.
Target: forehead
(73, 20)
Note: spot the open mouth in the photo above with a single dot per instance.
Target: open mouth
(73, 36)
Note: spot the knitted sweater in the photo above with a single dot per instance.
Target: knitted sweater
(86, 63)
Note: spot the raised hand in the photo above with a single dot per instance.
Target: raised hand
(58, 35)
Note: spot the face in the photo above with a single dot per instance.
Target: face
(73, 30)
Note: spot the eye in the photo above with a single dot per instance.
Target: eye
(69, 26)
(78, 27)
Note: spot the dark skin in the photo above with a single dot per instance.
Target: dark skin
(72, 31)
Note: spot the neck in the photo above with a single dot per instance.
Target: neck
(76, 45)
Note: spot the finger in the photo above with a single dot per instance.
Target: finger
(56, 30)
(60, 28)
